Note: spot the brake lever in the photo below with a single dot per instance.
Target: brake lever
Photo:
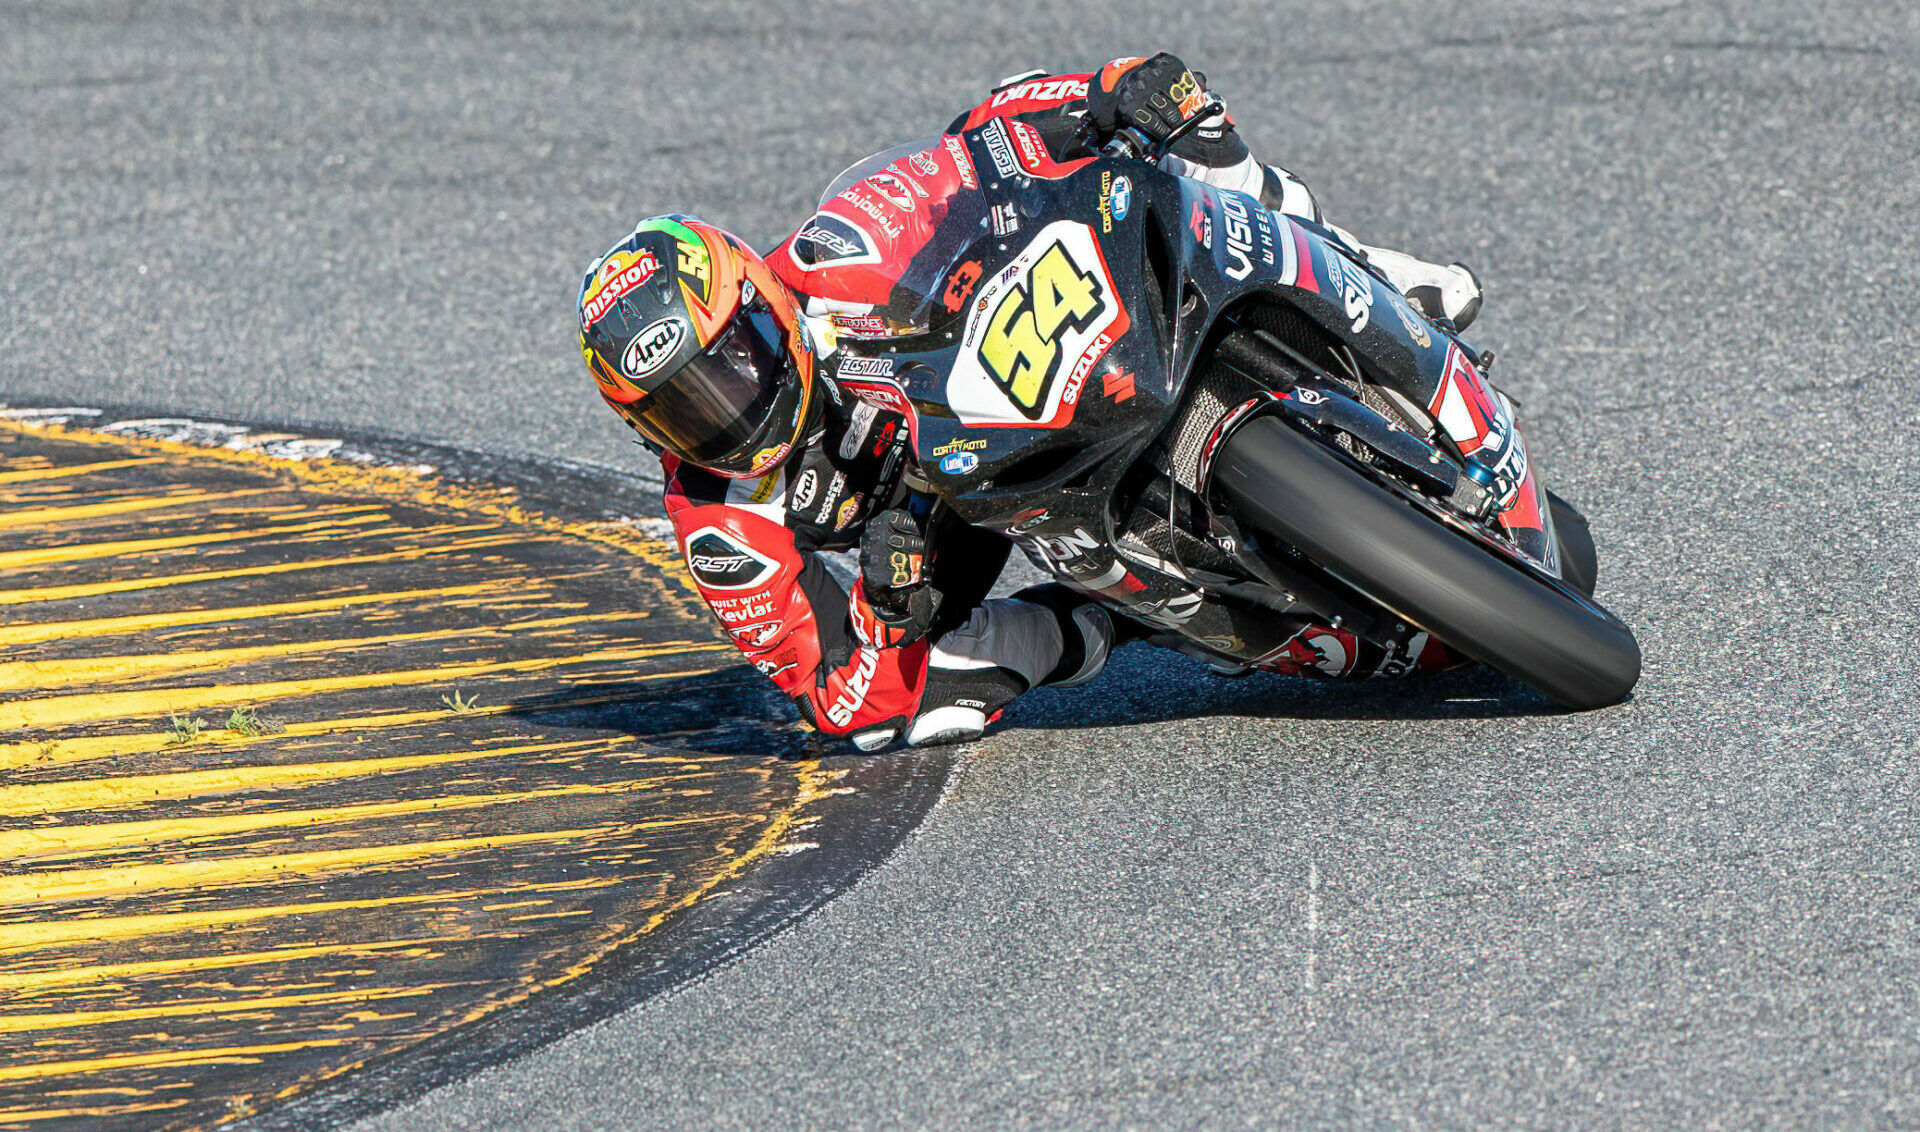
(1213, 106)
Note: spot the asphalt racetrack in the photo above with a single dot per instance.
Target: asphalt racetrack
(1163, 900)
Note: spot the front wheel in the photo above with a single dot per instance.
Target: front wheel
(1494, 609)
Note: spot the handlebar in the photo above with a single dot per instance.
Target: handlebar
(1129, 142)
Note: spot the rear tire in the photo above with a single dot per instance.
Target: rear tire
(1542, 632)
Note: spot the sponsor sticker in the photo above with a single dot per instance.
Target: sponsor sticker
(884, 393)
(1239, 231)
(619, 275)
(826, 239)
(1122, 197)
(1027, 520)
(849, 507)
(804, 488)
(857, 427)
(894, 189)
(1005, 221)
(957, 149)
(1042, 90)
(853, 366)
(1000, 148)
(720, 561)
(960, 285)
(862, 325)
(1416, 326)
(1033, 151)
(653, 347)
(1356, 290)
(961, 444)
(959, 463)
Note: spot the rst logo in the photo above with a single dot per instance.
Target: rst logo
(720, 561)
(828, 239)
(1036, 331)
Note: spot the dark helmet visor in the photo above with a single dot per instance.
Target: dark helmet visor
(716, 410)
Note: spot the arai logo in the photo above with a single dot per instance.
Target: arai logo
(1122, 197)
(651, 348)
(959, 463)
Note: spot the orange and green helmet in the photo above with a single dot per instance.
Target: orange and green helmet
(698, 345)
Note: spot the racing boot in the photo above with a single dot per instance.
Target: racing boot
(1452, 292)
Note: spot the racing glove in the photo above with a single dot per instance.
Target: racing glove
(893, 603)
(1155, 96)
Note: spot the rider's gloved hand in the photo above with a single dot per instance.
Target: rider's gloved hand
(1154, 96)
(892, 603)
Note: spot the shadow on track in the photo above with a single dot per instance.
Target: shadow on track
(1143, 685)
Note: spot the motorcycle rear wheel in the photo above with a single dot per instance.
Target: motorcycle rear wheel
(1470, 595)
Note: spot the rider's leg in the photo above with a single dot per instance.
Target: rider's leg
(1449, 291)
(1042, 635)
(1221, 159)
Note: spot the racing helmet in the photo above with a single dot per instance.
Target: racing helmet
(698, 346)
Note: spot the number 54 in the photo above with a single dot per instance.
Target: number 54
(1021, 348)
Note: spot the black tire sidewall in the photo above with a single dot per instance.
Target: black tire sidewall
(1293, 488)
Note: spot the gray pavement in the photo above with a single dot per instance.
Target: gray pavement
(1162, 901)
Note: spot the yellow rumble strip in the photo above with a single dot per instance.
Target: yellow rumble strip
(308, 761)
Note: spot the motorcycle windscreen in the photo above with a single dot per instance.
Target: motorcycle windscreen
(942, 272)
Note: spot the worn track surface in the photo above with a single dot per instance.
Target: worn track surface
(329, 778)
(1162, 900)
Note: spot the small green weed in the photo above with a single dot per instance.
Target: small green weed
(248, 722)
(186, 729)
(458, 706)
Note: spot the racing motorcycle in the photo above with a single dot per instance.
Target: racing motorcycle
(1221, 422)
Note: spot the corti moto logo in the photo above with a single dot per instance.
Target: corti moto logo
(650, 349)
(720, 562)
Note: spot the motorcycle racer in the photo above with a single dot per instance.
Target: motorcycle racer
(782, 450)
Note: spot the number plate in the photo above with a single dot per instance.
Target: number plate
(1035, 332)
